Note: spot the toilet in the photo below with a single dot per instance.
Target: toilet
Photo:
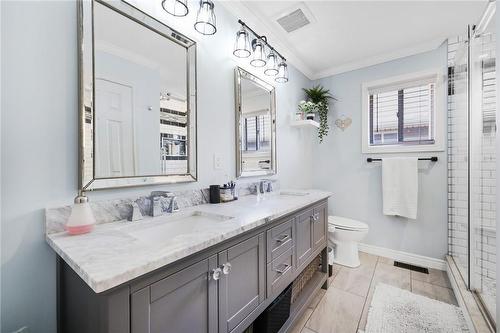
(344, 234)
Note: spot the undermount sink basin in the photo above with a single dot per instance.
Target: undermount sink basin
(294, 193)
(179, 224)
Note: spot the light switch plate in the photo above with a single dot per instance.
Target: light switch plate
(217, 162)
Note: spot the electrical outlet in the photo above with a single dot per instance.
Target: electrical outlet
(217, 162)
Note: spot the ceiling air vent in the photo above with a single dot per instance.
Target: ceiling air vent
(293, 21)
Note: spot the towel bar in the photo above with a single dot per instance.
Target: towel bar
(433, 159)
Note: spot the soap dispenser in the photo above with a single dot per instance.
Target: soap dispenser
(82, 219)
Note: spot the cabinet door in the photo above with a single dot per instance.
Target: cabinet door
(242, 288)
(320, 225)
(183, 302)
(303, 237)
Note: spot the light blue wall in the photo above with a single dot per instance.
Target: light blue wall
(39, 142)
(340, 167)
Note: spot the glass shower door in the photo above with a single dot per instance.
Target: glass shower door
(472, 162)
(458, 152)
(483, 168)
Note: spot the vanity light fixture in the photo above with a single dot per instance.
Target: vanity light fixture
(261, 53)
(205, 20)
(242, 44)
(272, 64)
(177, 8)
(282, 76)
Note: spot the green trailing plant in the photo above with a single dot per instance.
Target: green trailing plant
(321, 97)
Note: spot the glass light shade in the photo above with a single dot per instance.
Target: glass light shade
(242, 44)
(205, 20)
(272, 64)
(259, 54)
(175, 7)
(282, 76)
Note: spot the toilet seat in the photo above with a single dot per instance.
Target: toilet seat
(344, 223)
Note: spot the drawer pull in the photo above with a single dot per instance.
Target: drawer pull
(282, 239)
(226, 268)
(315, 217)
(282, 270)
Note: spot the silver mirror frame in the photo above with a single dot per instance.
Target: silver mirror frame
(240, 74)
(87, 179)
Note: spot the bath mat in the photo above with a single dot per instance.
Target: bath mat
(395, 310)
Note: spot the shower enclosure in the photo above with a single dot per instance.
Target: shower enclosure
(471, 161)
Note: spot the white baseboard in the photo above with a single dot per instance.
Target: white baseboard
(409, 258)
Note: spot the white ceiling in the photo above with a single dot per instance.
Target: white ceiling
(347, 35)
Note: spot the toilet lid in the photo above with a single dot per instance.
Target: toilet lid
(345, 223)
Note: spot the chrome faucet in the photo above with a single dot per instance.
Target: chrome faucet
(136, 214)
(265, 185)
(156, 207)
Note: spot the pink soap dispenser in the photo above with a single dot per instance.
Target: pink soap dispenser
(82, 219)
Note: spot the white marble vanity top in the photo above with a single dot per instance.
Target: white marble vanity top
(117, 252)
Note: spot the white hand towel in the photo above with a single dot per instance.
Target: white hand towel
(400, 186)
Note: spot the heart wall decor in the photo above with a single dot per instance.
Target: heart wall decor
(343, 122)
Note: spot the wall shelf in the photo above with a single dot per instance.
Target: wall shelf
(304, 123)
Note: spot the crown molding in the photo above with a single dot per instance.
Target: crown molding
(278, 38)
(379, 59)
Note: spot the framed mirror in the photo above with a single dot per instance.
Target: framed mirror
(137, 99)
(255, 126)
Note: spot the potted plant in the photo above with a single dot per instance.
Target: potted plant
(317, 102)
(308, 109)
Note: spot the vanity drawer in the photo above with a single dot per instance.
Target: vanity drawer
(279, 240)
(279, 273)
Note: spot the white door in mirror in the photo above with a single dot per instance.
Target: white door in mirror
(115, 142)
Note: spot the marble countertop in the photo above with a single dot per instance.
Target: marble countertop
(117, 252)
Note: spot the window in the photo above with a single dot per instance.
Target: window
(402, 114)
(256, 133)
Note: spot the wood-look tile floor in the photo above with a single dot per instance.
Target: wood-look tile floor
(343, 308)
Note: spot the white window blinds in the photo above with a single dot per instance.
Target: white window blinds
(402, 114)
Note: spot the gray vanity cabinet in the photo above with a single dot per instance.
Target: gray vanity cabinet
(183, 302)
(303, 237)
(320, 225)
(311, 233)
(242, 289)
(219, 290)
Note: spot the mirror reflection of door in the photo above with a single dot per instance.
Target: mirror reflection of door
(255, 127)
(141, 108)
(114, 123)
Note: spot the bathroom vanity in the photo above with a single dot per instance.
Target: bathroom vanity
(204, 268)
(208, 268)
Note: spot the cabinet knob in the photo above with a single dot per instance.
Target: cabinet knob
(226, 268)
(216, 273)
(315, 217)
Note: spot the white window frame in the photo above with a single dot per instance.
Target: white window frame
(399, 82)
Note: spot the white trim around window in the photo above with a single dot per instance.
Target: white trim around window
(400, 82)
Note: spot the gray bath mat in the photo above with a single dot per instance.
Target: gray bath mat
(395, 310)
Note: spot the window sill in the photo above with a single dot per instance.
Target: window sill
(402, 149)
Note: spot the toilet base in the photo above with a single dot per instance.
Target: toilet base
(347, 254)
